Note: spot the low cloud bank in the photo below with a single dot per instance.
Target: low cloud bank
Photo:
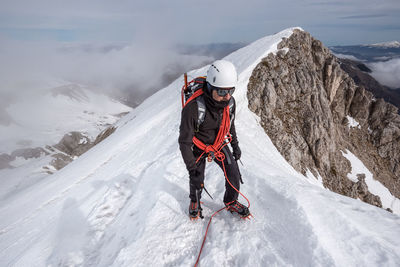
(130, 71)
(387, 72)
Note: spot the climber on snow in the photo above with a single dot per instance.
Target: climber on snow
(207, 126)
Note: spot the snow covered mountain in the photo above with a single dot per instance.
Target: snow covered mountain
(392, 44)
(46, 130)
(44, 118)
(125, 201)
(369, 53)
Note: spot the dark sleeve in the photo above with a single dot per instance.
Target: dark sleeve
(186, 133)
(232, 131)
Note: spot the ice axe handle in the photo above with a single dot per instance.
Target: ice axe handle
(186, 80)
(240, 175)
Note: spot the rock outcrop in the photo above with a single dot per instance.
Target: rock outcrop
(74, 144)
(71, 146)
(305, 101)
(25, 153)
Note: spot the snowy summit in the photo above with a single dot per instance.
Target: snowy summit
(125, 201)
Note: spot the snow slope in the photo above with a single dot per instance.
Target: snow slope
(374, 186)
(124, 202)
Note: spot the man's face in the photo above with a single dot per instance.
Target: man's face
(219, 98)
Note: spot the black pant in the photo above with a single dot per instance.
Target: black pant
(232, 171)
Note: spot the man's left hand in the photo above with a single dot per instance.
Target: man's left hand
(237, 153)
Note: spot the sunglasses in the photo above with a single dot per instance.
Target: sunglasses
(225, 91)
(222, 91)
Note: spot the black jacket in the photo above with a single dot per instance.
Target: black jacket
(208, 130)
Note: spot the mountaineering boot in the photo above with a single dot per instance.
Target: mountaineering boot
(194, 211)
(236, 206)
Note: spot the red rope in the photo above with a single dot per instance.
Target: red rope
(205, 235)
(215, 213)
(196, 94)
(222, 139)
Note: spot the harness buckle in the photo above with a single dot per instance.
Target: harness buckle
(211, 156)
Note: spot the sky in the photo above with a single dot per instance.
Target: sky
(127, 44)
(334, 22)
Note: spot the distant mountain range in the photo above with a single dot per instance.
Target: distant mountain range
(392, 44)
(371, 53)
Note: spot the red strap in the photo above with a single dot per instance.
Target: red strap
(196, 94)
(223, 134)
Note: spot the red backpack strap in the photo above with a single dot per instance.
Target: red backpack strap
(196, 94)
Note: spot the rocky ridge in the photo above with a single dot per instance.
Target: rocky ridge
(71, 146)
(304, 100)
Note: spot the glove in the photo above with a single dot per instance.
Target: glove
(237, 153)
(195, 179)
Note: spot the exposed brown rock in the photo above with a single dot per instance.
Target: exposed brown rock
(74, 144)
(28, 153)
(60, 161)
(303, 98)
(104, 134)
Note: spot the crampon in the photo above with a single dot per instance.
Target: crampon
(240, 209)
(195, 211)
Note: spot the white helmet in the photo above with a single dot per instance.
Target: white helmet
(222, 74)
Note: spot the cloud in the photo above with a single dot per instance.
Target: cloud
(125, 69)
(364, 16)
(387, 72)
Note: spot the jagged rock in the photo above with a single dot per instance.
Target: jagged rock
(360, 191)
(25, 153)
(28, 153)
(104, 134)
(304, 99)
(60, 161)
(74, 144)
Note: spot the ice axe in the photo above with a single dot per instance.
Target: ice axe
(240, 175)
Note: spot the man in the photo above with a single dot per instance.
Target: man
(217, 94)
